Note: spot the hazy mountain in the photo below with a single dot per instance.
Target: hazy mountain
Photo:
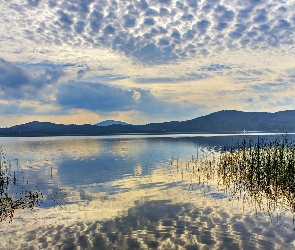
(219, 122)
(110, 122)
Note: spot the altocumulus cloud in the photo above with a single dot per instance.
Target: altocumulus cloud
(17, 83)
(154, 31)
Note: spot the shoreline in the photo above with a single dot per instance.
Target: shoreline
(227, 133)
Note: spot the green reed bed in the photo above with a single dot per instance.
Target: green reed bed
(262, 169)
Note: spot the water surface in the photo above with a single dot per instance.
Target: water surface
(134, 192)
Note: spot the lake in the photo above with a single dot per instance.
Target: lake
(135, 192)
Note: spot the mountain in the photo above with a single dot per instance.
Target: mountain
(234, 121)
(224, 121)
(110, 122)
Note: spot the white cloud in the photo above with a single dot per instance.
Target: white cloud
(154, 31)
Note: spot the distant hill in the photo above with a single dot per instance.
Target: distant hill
(110, 122)
(234, 121)
(224, 121)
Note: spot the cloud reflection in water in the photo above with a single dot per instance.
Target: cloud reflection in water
(156, 205)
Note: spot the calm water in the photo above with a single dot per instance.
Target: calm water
(133, 192)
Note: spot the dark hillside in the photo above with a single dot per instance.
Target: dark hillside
(218, 122)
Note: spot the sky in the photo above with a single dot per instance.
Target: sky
(142, 61)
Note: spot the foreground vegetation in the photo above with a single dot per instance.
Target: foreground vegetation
(8, 202)
(262, 169)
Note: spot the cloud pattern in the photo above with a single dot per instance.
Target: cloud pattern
(25, 88)
(148, 31)
(17, 83)
(154, 31)
(21, 82)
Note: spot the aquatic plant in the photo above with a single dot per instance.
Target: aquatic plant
(8, 202)
(261, 169)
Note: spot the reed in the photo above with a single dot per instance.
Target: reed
(261, 169)
(9, 203)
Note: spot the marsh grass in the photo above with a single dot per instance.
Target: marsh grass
(260, 172)
(261, 169)
(9, 203)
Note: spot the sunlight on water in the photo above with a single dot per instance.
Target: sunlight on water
(135, 192)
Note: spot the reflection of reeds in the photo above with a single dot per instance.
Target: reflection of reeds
(264, 169)
(8, 203)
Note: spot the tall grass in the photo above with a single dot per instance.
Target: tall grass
(263, 169)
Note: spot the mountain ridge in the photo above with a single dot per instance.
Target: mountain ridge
(223, 121)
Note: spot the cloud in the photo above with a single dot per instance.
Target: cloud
(17, 83)
(261, 16)
(151, 52)
(95, 97)
(216, 67)
(247, 79)
(95, 21)
(36, 67)
(273, 87)
(16, 108)
(271, 100)
(108, 77)
(255, 72)
(287, 100)
(202, 26)
(150, 105)
(48, 64)
(101, 68)
(106, 98)
(13, 107)
(184, 78)
(291, 74)
(81, 72)
(129, 21)
(250, 75)
(65, 18)
(98, 97)
(141, 29)
(33, 3)
(12, 76)
(80, 27)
